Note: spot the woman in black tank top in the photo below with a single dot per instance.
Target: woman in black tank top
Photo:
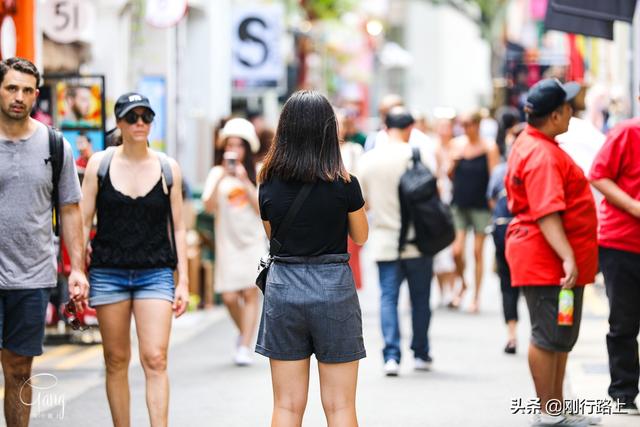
(140, 241)
(473, 162)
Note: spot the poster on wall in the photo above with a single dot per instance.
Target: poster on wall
(155, 88)
(75, 105)
(79, 102)
(78, 138)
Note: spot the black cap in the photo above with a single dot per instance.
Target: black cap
(548, 94)
(399, 118)
(128, 102)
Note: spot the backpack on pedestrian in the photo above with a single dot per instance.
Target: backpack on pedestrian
(421, 207)
(56, 157)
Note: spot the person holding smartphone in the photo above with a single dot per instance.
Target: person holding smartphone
(230, 194)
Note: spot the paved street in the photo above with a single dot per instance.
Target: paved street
(472, 383)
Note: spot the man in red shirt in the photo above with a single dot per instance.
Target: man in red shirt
(551, 243)
(83, 144)
(616, 174)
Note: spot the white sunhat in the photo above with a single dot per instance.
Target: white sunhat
(241, 128)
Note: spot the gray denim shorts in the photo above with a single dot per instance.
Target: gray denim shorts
(542, 302)
(311, 306)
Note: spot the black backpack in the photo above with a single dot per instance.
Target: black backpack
(420, 206)
(56, 157)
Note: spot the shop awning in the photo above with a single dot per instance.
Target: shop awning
(607, 10)
(570, 23)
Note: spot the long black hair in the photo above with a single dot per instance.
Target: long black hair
(305, 147)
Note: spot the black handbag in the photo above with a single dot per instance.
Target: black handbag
(277, 239)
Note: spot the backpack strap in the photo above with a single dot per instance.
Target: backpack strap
(56, 157)
(165, 166)
(405, 212)
(415, 154)
(105, 162)
(167, 174)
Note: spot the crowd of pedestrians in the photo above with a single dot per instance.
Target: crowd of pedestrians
(310, 195)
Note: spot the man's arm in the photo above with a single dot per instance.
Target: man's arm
(72, 234)
(617, 197)
(553, 232)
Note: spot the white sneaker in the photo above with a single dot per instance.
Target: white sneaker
(544, 420)
(243, 356)
(391, 368)
(422, 364)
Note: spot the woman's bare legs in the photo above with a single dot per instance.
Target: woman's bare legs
(338, 383)
(115, 324)
(153, 325)
(249, 315)
(290, 380)
(458, 257)
(232, 301)
(478, 245)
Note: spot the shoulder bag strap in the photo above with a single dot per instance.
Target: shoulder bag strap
(277, 238)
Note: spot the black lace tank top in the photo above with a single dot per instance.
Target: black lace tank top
(132, 233)
(470, 181)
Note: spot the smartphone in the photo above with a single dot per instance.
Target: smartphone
(230, 162)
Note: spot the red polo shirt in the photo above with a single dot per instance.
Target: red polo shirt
(542, 179)
(619, 160)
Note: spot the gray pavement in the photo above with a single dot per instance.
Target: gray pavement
(473, 382)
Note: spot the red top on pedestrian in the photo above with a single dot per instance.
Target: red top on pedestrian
(542, 179)
(619, 160)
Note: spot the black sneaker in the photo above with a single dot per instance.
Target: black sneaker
(627, 406)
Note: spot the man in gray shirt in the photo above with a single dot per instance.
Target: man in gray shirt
(27, 253)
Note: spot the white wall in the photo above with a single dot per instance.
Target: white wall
(451, 62)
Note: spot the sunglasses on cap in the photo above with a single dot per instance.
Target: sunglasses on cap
(132, 117)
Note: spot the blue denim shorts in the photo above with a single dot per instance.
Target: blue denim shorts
(311, 307)
(22, 320)
(111, 285)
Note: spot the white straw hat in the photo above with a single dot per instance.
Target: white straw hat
(241, 128)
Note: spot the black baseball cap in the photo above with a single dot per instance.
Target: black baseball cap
(128, 102)
(547, 95)
(399, 118)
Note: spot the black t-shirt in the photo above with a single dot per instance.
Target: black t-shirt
(321, 225)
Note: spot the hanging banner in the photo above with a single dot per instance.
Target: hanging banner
(257, 62)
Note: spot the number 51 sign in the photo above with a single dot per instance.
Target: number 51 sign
(65, 21)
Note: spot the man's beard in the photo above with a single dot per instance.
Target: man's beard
(15, 115)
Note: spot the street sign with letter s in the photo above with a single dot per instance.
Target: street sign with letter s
(257, 62)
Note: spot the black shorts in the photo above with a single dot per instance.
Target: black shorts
(22, 320)
(542, 302)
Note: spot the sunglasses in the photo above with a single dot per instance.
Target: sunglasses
(132, 117)
(71, 315)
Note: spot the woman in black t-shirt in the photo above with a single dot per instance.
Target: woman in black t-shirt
(310, 304)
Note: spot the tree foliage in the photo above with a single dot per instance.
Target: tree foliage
(487, 14)
(326, 9)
